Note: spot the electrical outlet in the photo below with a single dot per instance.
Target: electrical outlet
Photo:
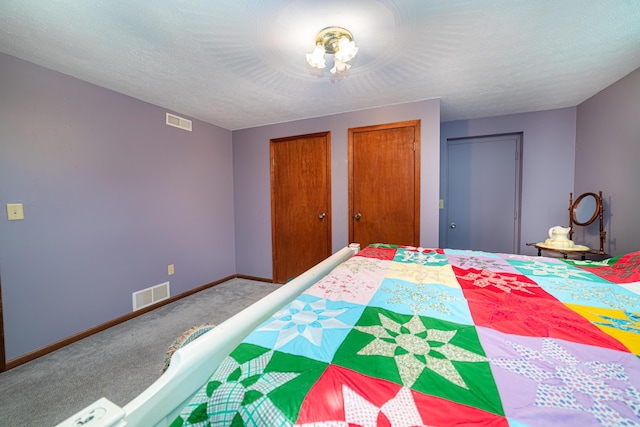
(14, 211)
(171, 270)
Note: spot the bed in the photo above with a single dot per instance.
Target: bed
(404, 336)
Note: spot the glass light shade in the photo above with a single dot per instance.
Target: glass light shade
(339, 66)
(347, 50)
(316, 58)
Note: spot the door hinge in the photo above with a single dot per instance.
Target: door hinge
(517, 155)
(414, 146)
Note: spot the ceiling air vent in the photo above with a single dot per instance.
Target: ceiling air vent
(178, 122)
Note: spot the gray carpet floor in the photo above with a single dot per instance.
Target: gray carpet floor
(118, 363)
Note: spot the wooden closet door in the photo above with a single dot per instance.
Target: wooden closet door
(384, 184)
(300, 203)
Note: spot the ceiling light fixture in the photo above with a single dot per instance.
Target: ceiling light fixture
(337, 41)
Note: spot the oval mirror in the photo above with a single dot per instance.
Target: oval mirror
(585, 209)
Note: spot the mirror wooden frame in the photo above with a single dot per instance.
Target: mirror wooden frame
(598, 212)
(574, 208)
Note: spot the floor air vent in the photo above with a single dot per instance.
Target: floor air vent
(150, 296)
(178, 122)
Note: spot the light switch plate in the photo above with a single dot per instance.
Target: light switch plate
(15, 211)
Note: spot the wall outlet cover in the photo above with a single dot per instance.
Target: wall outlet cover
(15, 211)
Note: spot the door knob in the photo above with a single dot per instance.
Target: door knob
(357, 216)
(453, 225)
(322, 215)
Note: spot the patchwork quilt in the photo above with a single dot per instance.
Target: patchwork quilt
(404, 336)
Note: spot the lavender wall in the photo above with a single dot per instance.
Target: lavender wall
(252, 177)
(111, 197)
(547, 169)
(607, 159)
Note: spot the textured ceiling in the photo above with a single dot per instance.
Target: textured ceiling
(240, 63)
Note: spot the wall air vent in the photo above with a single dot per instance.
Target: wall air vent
(178, 122)
(150, 296)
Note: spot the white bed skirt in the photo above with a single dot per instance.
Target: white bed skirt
(192, 365)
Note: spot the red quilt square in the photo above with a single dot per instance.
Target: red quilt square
(535, 317)
(625, 269)
(378, 253)
(498, 282)
(347, 396)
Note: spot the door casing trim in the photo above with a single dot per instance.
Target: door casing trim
(519, 136)
(417, 145)
(272, 142)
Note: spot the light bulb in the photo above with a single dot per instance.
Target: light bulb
(339, 66)
(347, 50)
(316, 58)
